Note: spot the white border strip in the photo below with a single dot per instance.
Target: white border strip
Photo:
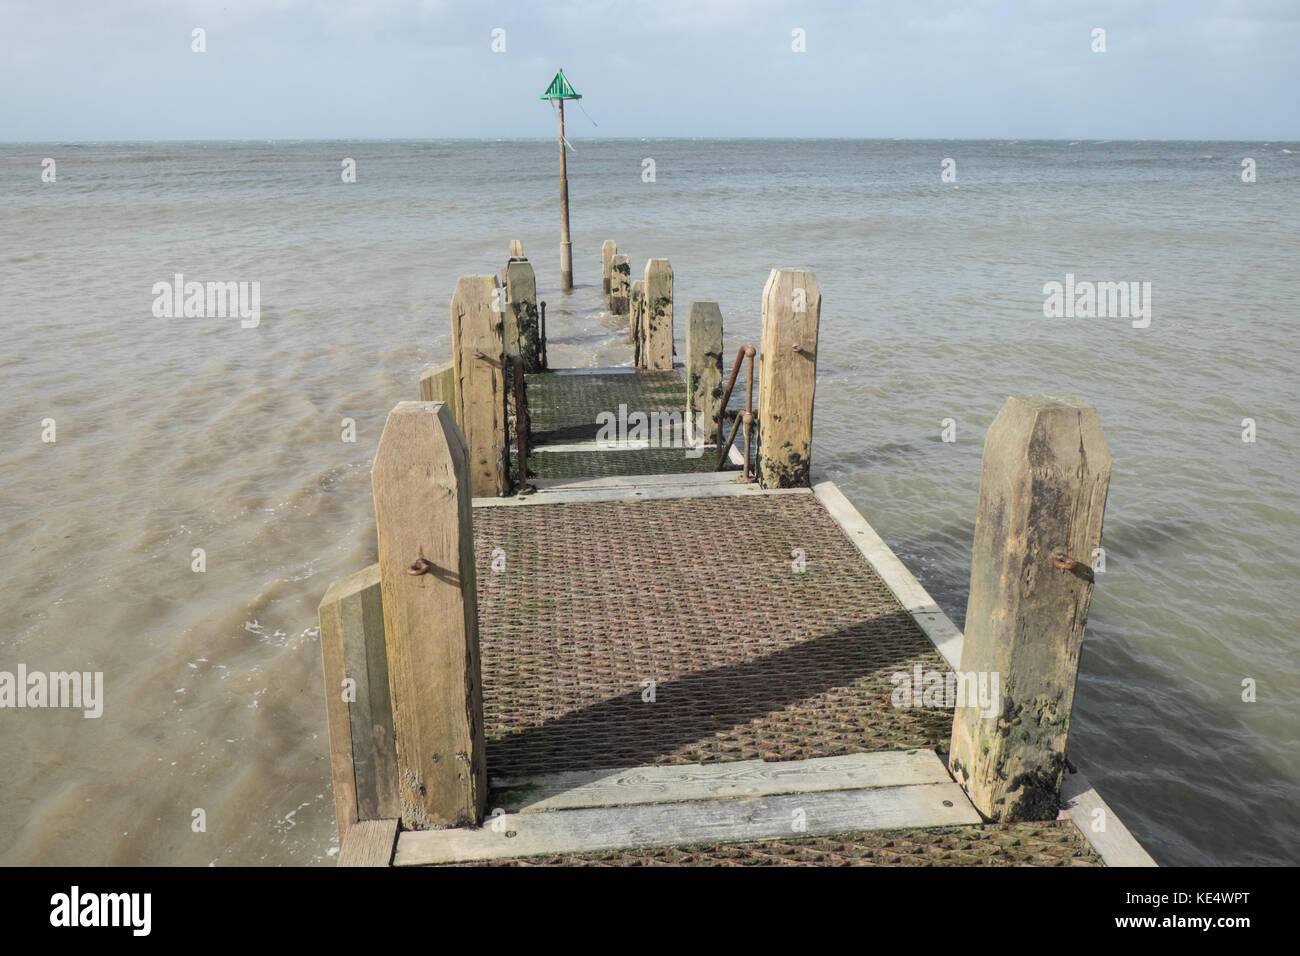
(931, 619)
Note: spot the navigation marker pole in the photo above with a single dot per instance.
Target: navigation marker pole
(559, 91)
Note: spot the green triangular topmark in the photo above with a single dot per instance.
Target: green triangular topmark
(560, 89)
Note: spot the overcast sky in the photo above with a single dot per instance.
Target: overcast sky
(323, 69)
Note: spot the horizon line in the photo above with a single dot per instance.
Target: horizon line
(645, 139)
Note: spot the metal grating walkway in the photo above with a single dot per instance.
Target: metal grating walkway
(564, 410)
(749, 659)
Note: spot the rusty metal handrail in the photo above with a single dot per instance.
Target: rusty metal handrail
(747, 418)
(545, 366)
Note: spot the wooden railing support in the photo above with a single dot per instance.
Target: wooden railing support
(703, 372)
(438, 384)
(522, 327)
(1043, 487)
(478, 352)
(620, 275)
(363, 760)
(421, 481)
(607, 251)
(787, 377)
(658, 306)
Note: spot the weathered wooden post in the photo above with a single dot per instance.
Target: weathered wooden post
(787, 377)
(522, 335)
(423, 516)
(620, 275)
(1043, 490)
(516, 249)
(478, 352)
(607, 251)
(636, 319)
(363, 760)
(703, 372)
(659, 314)
(438, 384)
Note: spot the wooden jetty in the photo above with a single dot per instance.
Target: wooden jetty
(619, 617)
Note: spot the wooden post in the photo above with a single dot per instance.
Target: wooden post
(787, 377)
(620, 274)
(566, 247)
(523, 336)
(478, 352)
(703, 372)
(607, 251)
(423, 516)
(636, 319)
(659, 314)
(363, 759)
(438, 384)
(516, 249)
(1043, 490)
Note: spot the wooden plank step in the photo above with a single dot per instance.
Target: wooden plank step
(638, 481)
(534, 793)
(368, 843)
(557, 496)
(735, 820)
(640, 444)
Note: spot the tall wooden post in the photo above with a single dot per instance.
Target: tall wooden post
(703, 372)
(430, 609)
(516, 249)
(566, 248)
(478, 352)
(607, 251)
(523, 334)
(787, 377)
(620, 274)
(363, 759)
(659, 314)
(636, 318)
(1043, 488)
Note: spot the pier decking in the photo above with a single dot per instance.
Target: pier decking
(751, 661)
(682, 667)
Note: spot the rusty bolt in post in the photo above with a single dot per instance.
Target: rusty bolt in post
(1078, 568)
(420, 566)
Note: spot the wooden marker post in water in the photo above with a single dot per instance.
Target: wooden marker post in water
(430, 609)
(558, 92)
(478, 352)
(358, 711)
(703, 372)
(659, 314)
(1043, 488)
(607, 251)
(521, 318)
(620, 275)
(636, 318)
(516, 249)
(787, 377)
